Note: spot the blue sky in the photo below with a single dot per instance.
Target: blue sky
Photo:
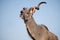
(12, 27)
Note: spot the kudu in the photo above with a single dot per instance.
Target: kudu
(36, 32)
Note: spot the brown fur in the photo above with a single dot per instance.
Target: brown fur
(36, 32)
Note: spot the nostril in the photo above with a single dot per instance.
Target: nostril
(24, 8)
(21, 12)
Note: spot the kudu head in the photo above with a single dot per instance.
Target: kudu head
(27, 13)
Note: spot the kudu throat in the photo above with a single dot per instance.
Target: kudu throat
(31, 26)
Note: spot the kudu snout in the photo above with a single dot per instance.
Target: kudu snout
(31, 10)
(22, 11)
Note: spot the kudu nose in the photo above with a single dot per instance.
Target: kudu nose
(21, 12)
(24, 8)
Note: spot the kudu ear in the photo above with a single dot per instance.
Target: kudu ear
(32, 10)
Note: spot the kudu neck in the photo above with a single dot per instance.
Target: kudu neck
(30, 21)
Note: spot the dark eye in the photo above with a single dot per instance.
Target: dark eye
(27, 13)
